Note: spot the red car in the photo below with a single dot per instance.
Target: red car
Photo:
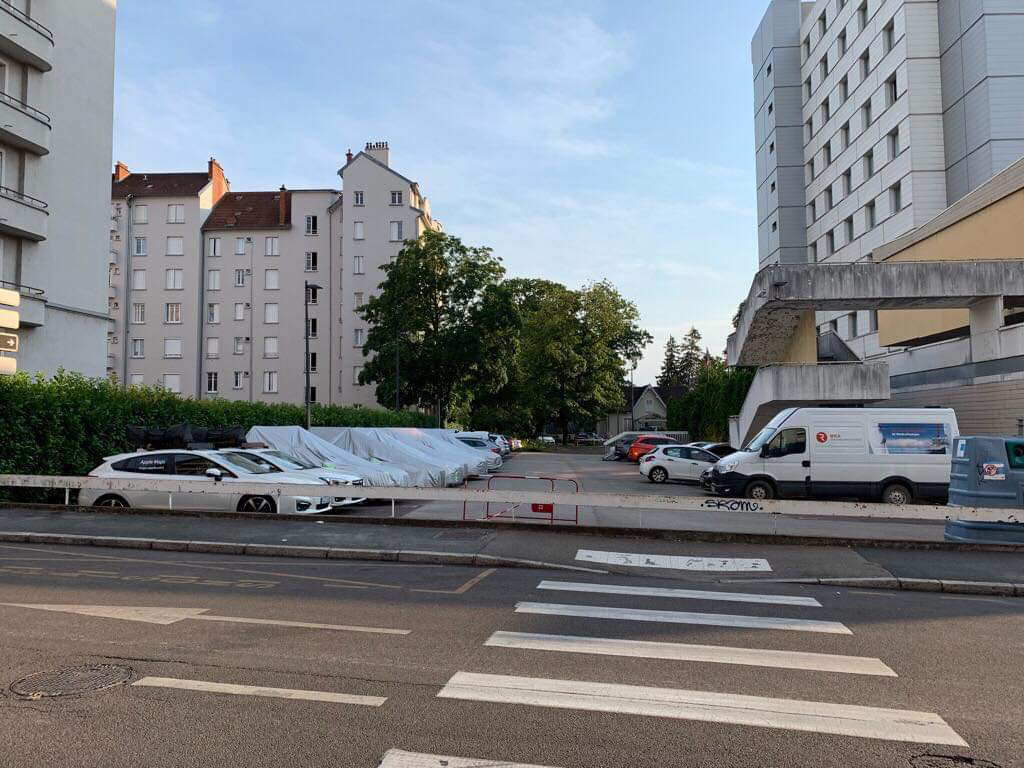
(645, 444)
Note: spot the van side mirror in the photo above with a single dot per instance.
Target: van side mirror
(765, 451)
(215, 473)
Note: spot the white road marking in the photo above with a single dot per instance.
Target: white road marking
(396, 758)
(714, 654)
(687, 594)
(681, 563)
(683, 617)
(792, 714)
(258, 690)
(173, 615)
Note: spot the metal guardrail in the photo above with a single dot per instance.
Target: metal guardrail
(24, 290)
(21, 197)
(20, 15)
(31, 111)
(631, 501)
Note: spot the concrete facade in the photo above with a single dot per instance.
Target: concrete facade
(56, 100)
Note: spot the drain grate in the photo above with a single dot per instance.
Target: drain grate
(941, 761)
(71, 681)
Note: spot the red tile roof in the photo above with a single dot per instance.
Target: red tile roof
(159, 184)
(250, 210)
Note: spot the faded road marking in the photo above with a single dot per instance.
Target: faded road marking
(258, 690)
(686, 594)
(676, 562)
(396, 758)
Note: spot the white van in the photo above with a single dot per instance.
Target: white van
(892, 454)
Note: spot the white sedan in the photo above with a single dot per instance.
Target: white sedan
(676, 462)
(206, 467)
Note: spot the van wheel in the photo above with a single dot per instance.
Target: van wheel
(759, 490)
(261, 504)
(896, 493)
(658, 475)
(112, 500)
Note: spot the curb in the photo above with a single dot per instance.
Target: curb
(1001, 588)
(273, 550)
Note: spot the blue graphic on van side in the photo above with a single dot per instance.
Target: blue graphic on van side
(914, 438)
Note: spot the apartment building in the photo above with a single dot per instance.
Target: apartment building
(261, 251)
(56, 100)
(380, 208)
(155, 275)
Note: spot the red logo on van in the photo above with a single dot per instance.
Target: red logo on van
(821, 437)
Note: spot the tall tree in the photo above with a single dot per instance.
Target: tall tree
(669, 376)
(441, 311)
(691, 357)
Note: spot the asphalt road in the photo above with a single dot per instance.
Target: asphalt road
(935, 656)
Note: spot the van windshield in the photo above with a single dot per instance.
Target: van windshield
(760, 439)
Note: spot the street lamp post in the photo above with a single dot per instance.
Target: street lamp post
(398, 399)
(305, 300)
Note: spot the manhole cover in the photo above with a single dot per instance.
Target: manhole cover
(941, 761)
(71, 681)
(460, 535)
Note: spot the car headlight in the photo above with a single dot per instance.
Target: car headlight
(729, 466)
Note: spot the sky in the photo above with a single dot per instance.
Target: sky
(580, 140)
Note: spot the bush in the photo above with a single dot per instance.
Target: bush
(717, 393)
(67, 424)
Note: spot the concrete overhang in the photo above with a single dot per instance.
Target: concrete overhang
(780, 294)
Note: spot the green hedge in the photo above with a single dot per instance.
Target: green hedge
(67, 424)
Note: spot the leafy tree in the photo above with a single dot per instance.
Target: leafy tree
(717, 393)
(441, 311)
(691, 358)
(670, 372)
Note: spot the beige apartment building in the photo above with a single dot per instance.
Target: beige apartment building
(212, 292)
(56, 100)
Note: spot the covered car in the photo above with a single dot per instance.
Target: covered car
(379, 444)
(431, 441)
(491, 460)
(298, 442)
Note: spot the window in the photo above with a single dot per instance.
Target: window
(807, 89)
(829, 199)
(236, 381)
(357, 299)
(889, 36)
(136, 380)
(175, 246)
(847, 182)
(357, 265)
(358, 337)
(312, 295)
(772, 187)
(239, 310)
(806, 48)
(140, 214)
(395, 231)
(852, 325)
(138, 348)
(239, 246)
(270, 313)
(213, 347)
(311, 395)
(396, 197)
(270, 346)
(771, 107)
(239, 278)
(355, 373)
(862, 15)
(830, 243)
(826, 112)
(357, 198)
(844, 88)
(213, 280)
(788, 442)
(827, 153)
(312, 362)
(272, 247)
(872, 321)
(775, 226)
(892, 142)
(213, 313)
(174, 279)
(808, 130)
(271, 279)
(768, 71)
(844, 135)
(175, 213)
(895, 198)
(172, 347)
(357, 230)
(270, 381)
(238, 347)
(848, 229)
(172, 382)
(311, 225)
(771, 151)
(812, 210)
(211, 382)
(869, 164)
(869, 215)
(841, 39)
(138, 279)
(213, 247)
(312, 327)
(823, 67)
(865, 114)
(138, 314)
(140, 247)
(312, 261)
(822, 24)
(891, 94)
(865, 64)
(172, 312)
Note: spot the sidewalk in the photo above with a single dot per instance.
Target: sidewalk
(506, 546)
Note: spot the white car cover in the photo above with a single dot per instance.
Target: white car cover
(431, 442)
(297, 442)
(372, 443)
(492, 460)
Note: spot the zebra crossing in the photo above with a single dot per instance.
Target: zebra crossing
(698, 705)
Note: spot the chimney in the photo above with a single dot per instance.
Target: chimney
(281, 205)
(121, 171)
(216, 176)
(348, 157)
(378, 150)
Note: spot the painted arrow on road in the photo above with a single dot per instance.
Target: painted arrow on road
(174, 615)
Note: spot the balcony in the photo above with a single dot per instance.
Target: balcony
(22, 215)
(23, 126)
(32, 309)
(25, 39)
